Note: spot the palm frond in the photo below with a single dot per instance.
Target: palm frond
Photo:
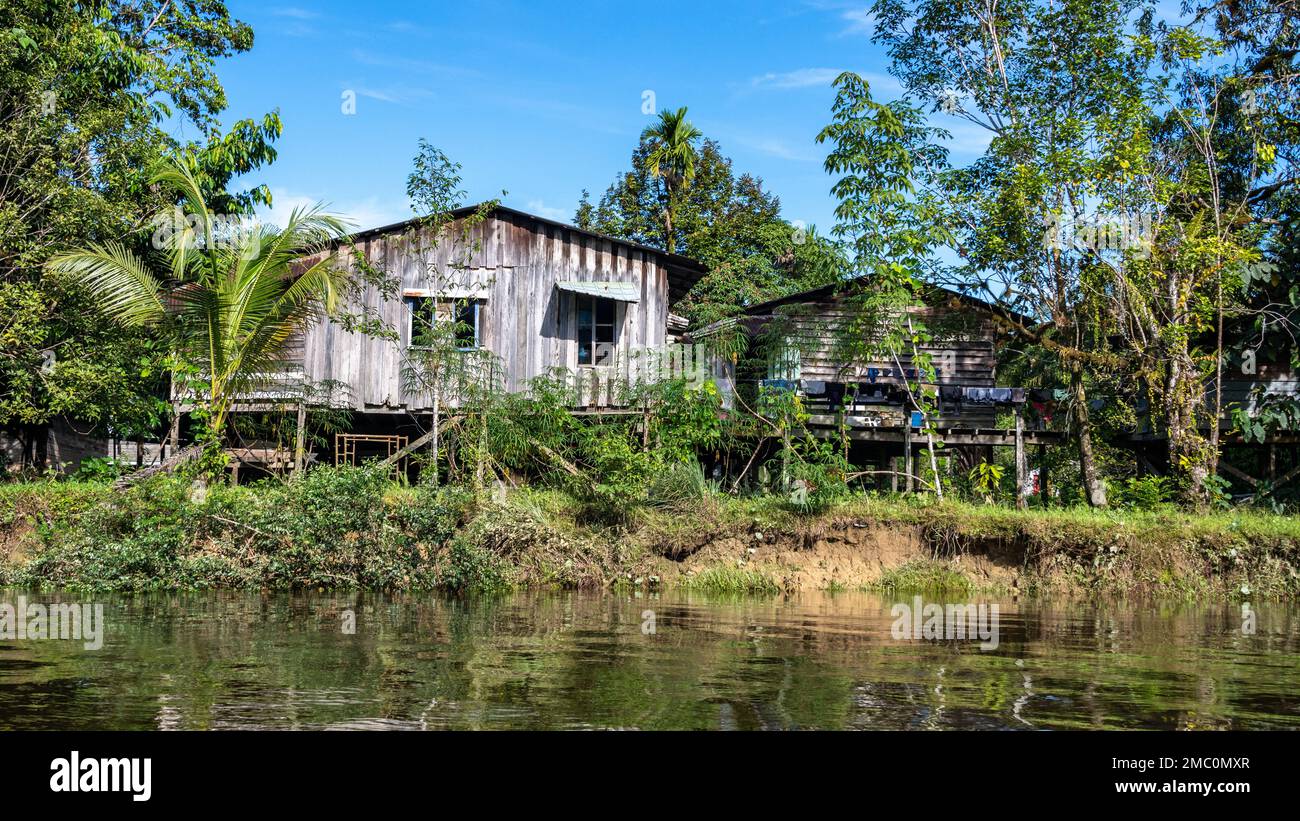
(119, 280)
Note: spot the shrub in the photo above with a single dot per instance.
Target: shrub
(678, 486)
(1148, 492)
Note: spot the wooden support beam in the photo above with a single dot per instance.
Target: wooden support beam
(1021, 462)
(1242, 475)
(1286, 477)
(300, 438)
(410, 448)
(907, 457)
(174, 434)
(421, 441)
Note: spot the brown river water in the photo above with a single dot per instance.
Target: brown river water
(673, 660)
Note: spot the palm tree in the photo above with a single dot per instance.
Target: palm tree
(225, 298)
(671, 158)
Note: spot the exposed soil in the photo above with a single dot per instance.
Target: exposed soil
(848, 553)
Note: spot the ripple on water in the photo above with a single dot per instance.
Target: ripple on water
(592, 661)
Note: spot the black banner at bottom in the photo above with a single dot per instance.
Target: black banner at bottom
(143, 772)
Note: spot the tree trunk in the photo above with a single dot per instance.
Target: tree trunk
(437, 396)
(1187, 451)
(1094, 488)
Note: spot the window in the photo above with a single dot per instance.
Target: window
(596, 330)
(425, 311)
(786, 364)
(467, 313)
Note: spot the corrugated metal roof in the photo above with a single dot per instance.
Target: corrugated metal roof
(622, 291)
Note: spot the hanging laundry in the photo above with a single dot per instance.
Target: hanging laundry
(814, 387)
(1002, 396)
(835, 394)
(1017, 396)
(950, 393)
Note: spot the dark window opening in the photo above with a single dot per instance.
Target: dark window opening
(467, 313)
(596, 330)
(427, 311)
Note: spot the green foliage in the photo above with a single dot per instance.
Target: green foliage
(226, 305)
(816, 474)
(733, 581)
(680, 487)
(986, 480)
(925, 577)
(1148, 492)
(329, 527)
(671, 158)
(726, 221)
(98, 469)
(684, 418)
(617, 478)
(92, 94)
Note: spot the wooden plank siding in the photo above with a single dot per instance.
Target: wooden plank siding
(515, 261)
(966, 344)
(963, 351)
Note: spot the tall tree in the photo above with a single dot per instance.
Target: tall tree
(225, 300)
(1058, 91)
(89, 96)
(671, 158)
(727, 221)
(1118, 201)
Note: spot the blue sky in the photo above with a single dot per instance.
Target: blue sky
(542, 99)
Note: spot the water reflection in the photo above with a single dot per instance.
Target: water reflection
(574, 660)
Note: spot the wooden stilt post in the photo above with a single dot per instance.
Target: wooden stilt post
(300, 438)
(173, 435)
(1021, 464)
(893, 474)
(1044, 487)
(907, 454)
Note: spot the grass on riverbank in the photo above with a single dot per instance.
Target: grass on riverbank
(352, 527)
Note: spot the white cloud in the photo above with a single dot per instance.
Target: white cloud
(774, 147)
(398, 95)
(413, 65)
(799, 78)
(408, 27)
(294, 12)
(370, 212)
(541, 209)
(858, 23)
(819, 78)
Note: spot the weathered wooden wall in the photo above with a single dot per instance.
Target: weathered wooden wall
(962, 350)
(512, 262)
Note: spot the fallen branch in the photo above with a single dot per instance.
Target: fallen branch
(168, 465)
(850, 477)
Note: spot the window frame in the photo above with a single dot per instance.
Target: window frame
(416, 303)
(592, 329)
